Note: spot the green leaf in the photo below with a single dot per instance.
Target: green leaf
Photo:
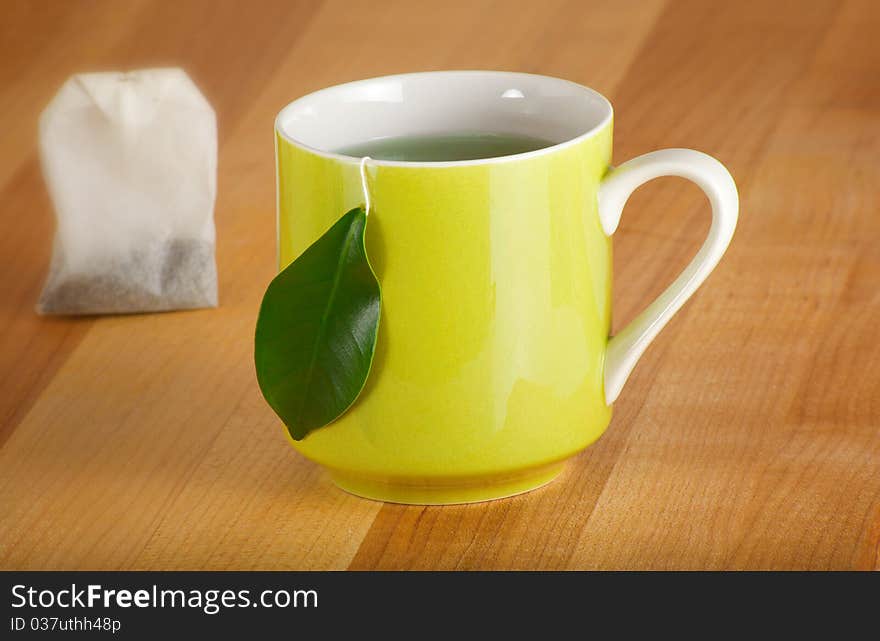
(316, 332)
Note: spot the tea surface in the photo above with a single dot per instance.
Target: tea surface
(445, 147)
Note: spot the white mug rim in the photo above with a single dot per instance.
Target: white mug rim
(329, 91)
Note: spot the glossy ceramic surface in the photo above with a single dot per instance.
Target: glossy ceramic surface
(495, 274)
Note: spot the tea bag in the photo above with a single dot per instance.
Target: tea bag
(130, 161)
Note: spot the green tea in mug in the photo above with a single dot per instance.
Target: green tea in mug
(445, 147)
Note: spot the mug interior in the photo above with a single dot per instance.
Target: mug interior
(443, 102)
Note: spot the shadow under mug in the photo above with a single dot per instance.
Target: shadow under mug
(493, 363)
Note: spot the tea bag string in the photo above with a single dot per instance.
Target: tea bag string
(365, 185)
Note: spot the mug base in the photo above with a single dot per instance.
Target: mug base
(446, 491)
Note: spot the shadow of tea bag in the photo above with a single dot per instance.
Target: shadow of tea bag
(130, 161)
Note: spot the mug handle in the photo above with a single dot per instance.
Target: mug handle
(625, 348)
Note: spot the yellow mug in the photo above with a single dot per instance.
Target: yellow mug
(493, 363)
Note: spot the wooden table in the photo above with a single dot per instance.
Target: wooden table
(748, 437)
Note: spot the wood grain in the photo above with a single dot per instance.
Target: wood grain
(748, 436)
